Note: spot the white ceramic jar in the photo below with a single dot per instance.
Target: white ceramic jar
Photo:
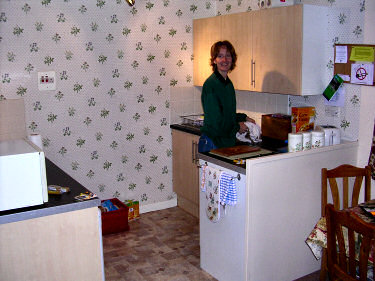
(294, 142)
(317, 139)
(306, 140)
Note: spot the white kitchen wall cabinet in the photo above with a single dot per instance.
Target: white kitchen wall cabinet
(280, 50)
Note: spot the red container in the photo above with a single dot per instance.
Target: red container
(115, 221)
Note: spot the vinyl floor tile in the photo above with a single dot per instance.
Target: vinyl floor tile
(160, 246)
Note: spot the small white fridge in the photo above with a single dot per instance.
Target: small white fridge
(23, 181)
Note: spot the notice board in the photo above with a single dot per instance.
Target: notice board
(355, 63)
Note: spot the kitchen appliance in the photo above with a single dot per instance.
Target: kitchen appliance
(276, 126)
(332, 134)
(23, 181)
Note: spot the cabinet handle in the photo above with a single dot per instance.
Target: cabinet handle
(196, 153)
(253, 73)
(192, 152)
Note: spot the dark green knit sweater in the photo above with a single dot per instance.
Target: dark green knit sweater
(219, 105)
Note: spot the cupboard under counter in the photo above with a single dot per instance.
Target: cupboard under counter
(282, 204)
(59, 238)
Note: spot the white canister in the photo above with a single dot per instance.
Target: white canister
(306, 140)
(317, 139)
(294, 142)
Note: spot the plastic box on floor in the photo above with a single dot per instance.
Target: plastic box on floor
(114, 216)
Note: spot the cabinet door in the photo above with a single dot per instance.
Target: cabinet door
(206, 32)
(236, 28)
(277, 50)
(185, 170)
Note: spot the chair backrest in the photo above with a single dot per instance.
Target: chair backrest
(348, 174)
(342, 261)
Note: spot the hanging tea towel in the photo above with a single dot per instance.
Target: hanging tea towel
(228, 191)
(203, 178)
(212, 186)
(371, 160)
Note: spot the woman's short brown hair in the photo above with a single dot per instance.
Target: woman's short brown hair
(215, 49)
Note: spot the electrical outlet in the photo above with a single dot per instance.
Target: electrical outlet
(47, 81)
(332, 111)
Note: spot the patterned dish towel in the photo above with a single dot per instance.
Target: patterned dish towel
(371, 160)
(317, 239)
(212, 188)
(228, 191)
(203, 178)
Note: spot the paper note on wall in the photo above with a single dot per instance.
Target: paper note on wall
(338, 99)
(362, 54)
(341, 54)
(362, 73)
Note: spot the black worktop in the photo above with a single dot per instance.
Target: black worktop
(187, 128)
(275, 146)
(57, 203)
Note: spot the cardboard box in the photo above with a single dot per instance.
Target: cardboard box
(303, 119)
(115, 221)
(133, 206)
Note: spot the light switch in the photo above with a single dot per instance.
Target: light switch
(47, 81)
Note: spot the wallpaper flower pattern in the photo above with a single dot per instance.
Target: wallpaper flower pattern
(107, 122)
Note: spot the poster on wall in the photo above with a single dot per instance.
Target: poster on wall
(362, 73)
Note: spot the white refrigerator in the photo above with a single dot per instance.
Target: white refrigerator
(23, 180)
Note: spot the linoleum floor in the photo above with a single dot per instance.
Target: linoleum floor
(160, 246)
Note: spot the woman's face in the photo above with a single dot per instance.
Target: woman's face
(223, 61)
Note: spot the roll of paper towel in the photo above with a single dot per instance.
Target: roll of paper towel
(36, 139)
(294, 142)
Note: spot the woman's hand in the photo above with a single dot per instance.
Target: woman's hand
(248, 119)
(243, 128)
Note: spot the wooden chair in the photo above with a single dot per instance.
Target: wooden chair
(342, 262)
(348, 174)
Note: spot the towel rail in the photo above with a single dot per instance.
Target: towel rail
(238, 175)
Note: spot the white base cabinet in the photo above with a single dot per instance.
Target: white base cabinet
(281, 206)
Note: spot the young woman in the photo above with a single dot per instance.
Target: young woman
(221, 122)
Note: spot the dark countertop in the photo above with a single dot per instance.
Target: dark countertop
(275, 146)
(191, 129)
(56, 203)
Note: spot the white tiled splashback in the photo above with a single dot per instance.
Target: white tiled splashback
(187, 100)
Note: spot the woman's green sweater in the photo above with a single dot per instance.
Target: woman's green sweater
(219, 105)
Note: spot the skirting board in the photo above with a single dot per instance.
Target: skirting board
(158, 206)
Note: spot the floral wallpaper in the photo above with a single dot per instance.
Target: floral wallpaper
(107, 122)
